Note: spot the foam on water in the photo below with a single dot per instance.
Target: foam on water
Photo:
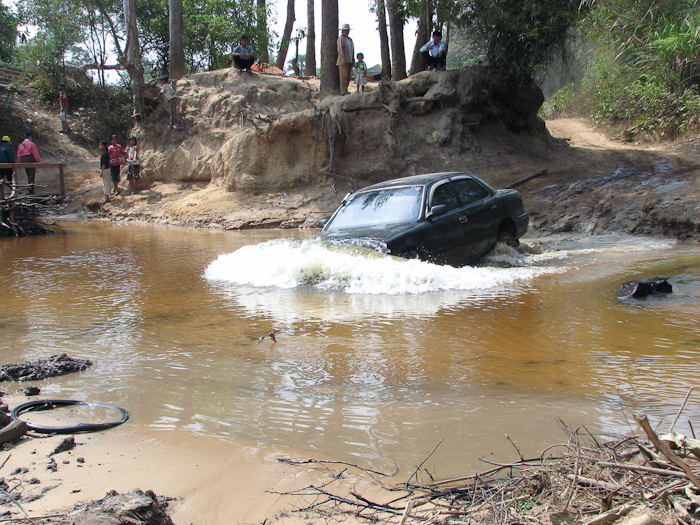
(296, 263)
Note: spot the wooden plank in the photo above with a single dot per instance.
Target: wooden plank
(63, 180)
(31, 165)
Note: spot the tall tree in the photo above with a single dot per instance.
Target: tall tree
(423, 31)
(132, 57)
(287, 35)
(263, 44)
(330, 78)
(8, 34)
(383, 39)
(310, 39)
(177, 47)
(398, 54)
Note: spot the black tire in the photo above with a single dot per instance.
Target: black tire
(48, 404)
(507, 238)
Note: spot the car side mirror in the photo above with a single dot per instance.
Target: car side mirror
(321, 223)
(440, 209)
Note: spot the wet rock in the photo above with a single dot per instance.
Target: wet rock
(32, 390)
(123, 509)
(56, 365)
(644, 287)
(65, 445)
(12, 432)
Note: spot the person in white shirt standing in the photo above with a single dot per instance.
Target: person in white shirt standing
(346, 58)
(168, 93)
(434, 52)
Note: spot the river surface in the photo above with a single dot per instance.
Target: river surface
(377, 359)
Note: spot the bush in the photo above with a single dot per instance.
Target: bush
(642, 105)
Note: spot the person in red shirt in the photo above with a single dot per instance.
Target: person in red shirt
(117, 154)
(28, 153)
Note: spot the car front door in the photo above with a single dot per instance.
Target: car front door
(480, 214)
(446, 231)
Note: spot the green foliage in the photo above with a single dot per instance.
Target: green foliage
(645, 72)
(106, 112)
(522, 36)
(212, 28)
(8, 34)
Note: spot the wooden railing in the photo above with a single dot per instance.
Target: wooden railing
(19, 165)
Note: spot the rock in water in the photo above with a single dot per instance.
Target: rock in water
(644, 287)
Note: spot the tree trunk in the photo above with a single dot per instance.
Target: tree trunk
(330, 78)
(383, 39)
(133, 58)
(398, 53)
(422, 35)
(177, 49)
(287, 36)
(263, 52)
(310, 40)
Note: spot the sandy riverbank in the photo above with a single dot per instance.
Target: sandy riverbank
(212, 483)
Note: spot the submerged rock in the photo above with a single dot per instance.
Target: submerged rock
(644, 287)
(56, 365)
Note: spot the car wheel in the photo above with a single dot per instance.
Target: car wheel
(507, 238)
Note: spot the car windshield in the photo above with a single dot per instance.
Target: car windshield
(385, 206)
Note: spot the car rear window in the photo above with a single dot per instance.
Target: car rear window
(469, 191)
(385, 206)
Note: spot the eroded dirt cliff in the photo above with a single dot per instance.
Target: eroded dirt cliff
(266, 151)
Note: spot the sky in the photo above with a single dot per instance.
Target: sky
(362, 22)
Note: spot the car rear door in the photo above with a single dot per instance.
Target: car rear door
(480, 215)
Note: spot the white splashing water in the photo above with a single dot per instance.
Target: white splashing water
(295, 263)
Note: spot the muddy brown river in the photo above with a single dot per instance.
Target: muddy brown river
(377, 359)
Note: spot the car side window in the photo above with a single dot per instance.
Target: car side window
(470, 191)
(443, 194)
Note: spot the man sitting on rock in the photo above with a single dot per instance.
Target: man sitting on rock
(244, 56)
(434, 52)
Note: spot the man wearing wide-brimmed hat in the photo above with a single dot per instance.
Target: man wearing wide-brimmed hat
(346, 58)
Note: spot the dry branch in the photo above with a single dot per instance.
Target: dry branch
(529, 491)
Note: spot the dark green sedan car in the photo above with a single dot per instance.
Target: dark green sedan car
(445, 218)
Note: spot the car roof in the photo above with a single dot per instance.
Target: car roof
(417, 180)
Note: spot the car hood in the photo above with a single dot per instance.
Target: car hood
(381, 232)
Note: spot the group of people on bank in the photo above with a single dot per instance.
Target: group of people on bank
(434, 53)
(27, 153)
(111, 161)
(349, 65)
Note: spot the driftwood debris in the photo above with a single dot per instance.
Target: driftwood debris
(13, 432)
(529, 177)
(21, 216)
(592, 480)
